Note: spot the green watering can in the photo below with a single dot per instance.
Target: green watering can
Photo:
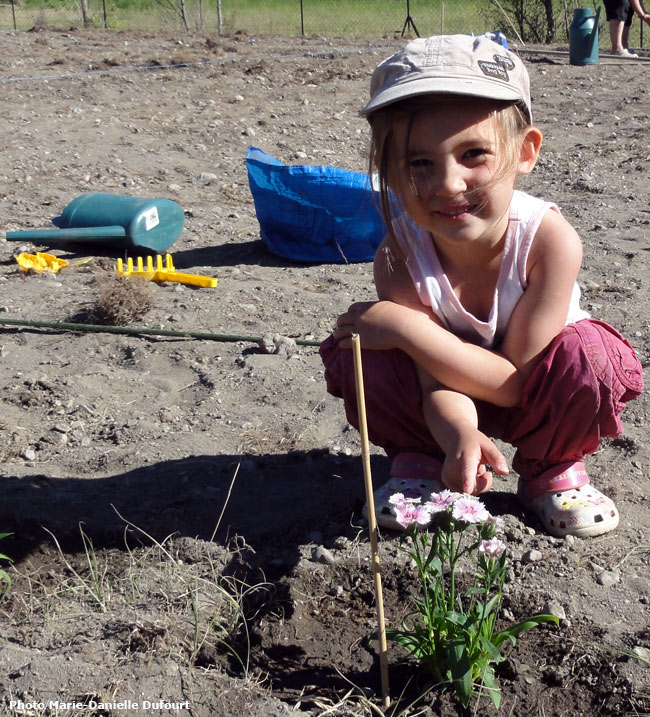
(583, 37)
(113, 221)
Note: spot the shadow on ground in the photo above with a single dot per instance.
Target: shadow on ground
(272, 502)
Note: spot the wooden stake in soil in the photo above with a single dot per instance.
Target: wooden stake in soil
(372, 520)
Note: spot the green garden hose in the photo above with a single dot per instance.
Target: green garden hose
(98, 328)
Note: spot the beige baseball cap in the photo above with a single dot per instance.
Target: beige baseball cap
(450, 65)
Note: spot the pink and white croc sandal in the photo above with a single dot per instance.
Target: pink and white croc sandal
(566, 504)
(415, 475)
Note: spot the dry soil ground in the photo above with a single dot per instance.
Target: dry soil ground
(186, 512)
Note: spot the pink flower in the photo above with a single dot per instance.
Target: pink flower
(441, 501)
(470, 510)
(492, 548)
(409, 512)
(399, 499)
(497, 521)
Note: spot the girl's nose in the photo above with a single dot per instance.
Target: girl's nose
(450, 181)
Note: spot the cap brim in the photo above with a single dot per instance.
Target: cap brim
(446, 86)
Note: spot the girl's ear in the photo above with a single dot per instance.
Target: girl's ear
(530, 144)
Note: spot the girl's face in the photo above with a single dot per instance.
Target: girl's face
(449, 176)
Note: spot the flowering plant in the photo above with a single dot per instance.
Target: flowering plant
(5, 580)
(452, 633)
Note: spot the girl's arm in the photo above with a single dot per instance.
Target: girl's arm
(470, 456)
(400, 320)
(450, 416)
(540, 314)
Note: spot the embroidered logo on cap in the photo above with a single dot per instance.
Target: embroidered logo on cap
(499, 68)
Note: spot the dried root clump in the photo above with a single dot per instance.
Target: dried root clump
(121, 300)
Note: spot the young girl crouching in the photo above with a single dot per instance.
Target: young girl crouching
(477, 332)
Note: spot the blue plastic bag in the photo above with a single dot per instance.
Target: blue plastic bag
(314, 213)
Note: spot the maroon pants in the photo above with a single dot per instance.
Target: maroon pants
(572, 399)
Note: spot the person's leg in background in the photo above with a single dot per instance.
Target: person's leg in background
(619, 15)
(616, 35)
(625, 34)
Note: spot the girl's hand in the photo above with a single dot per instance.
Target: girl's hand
(379, 324)
(465, 469)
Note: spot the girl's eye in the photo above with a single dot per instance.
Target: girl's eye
(476, 153)
(420, 163)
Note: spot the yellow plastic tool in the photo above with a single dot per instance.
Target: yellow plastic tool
(41, 262)
(168, 273)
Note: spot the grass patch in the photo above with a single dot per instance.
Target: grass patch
(146, 600)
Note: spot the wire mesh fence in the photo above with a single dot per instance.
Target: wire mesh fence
(282, 17)
(538, 21)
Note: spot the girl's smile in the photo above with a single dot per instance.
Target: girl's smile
(455, 213)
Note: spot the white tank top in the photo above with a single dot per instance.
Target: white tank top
(435, 290)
